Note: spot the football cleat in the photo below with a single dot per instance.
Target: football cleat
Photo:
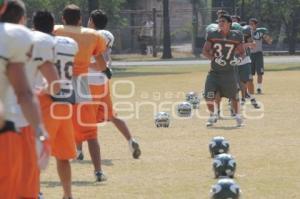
(211, 120)
(218, 145)
(224, 189)
(134, 148)
(184, 109)
(255, 104)
(193, 98)
(239, 121)
(162, 119)
(100, 177)
(80, 155)
(259, 91)
(224, 165)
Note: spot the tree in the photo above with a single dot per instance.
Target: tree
(93, 4)
(276, 15)
(167, 53)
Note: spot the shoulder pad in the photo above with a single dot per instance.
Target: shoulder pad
(236, 26)
(211, 27)
(262, 30)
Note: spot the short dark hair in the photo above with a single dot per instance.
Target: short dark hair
(254, 20)
(72, 14)
(14, 12)
(221, 12)
(226, 17)
(99, 18)
(243, 23)
(237, 17)
(43, 21)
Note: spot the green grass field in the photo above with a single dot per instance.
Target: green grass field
(175, 162)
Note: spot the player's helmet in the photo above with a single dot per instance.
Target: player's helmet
(184, 109)
(218, 145)
(108, 36)
(224, 189)
(3, 5)
(193, 98)
(247, 30)
(162, 119)
(224, 165)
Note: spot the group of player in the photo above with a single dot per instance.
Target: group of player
(236, 54)
(54, 89)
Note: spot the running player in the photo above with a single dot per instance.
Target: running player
(15, 48)
(84, 117)
(220, 47)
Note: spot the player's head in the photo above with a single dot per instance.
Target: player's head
(72, 15)
(253, 23)
(221, 12)
(3, 4)
(224, 22)
(15, 12)
(236, 18)
(98, 20)
(43, 21)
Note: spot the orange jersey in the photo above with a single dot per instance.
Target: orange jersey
(90, 44)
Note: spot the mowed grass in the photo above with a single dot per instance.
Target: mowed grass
(175, 162)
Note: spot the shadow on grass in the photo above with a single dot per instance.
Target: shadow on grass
(106, 162)
(293, 68)
(226, 128)
(137, 74)
(51, 184)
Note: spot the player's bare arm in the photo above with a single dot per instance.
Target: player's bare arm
(207, 50)
(17, 77)
(249, 45)
(49, 71)
(268, 39)
(100, 63)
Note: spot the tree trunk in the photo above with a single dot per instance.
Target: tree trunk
(167, 54)
(293, 37)
(282, 34)
(93, 5)
(195, 27)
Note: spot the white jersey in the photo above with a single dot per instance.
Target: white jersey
(65, 50)
(15, 47)
(97, 77)
(245, 60)
(43, 45)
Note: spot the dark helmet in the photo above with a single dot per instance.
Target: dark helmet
(218, 145)
(224, 165)
(224, 189)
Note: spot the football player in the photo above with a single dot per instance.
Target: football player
(258, 35)
(99, 85)
(15, 49)
(244, 68)
(84, 115)
(56, 106)
(220, 47)
(41, 60)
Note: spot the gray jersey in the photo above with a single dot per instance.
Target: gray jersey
(257, 36)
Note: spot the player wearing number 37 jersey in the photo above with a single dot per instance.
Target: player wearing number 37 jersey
(225, 50)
